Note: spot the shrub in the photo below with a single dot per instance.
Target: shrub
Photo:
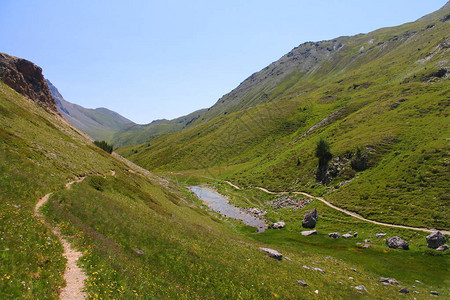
(360, 160)
(104, 145)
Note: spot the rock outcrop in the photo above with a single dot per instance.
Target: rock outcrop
(435, 239)
(309, 232)
(277, 225)
(310, 219)
(26, 78)
(388, 281)
(272, 253)
(334, 235)
(443, 247)
(397, 243)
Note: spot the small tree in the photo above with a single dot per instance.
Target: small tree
(324, 155)
(104, 145)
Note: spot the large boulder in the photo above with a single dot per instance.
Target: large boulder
(397, 243)
(435, 239)
(310, 219)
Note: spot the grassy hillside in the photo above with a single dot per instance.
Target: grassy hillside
(99, 123)
(385, 93)
(188, 251)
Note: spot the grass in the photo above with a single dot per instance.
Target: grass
(38, 155)
(189, 252)
(379, 260)
(377, 105)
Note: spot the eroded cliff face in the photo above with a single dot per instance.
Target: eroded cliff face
(26, 78)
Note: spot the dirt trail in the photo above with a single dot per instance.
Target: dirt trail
(73, 275)
(350, 213)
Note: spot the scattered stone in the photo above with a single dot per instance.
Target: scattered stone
(354, 270)
(253, 211)
(361, 288)
(380, 235)
(287, 258)
(347, 235)
(443, 247)
(404, 290)
(388, 280)
(351, 278)
(367, 241)
(355, 234)
(416, 292)
(434, 293)
(289, 201)
(309, 232)
(139, 252)
(396, 242)
(319, 270)
(334, 235)
(302, 283)
(277, 225)
(364, 246)
(435, 239)
(272, 253)
(306, 267)
(310, 219)
(316, 291)
(418, 281)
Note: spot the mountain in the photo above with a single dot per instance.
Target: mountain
(136, 134)
(381, 101)
(99, 123)
(140, 235)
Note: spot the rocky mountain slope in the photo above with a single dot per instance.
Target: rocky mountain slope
(99, 123)
(26, 78)
(380, 99)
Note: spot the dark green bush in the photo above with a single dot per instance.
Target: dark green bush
(104, 145)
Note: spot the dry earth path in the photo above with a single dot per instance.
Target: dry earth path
(347, 212)
(73, 275)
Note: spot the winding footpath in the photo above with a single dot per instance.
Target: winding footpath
(347, 212)
(73, 275)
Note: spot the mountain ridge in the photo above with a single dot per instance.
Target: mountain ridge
(99, 123)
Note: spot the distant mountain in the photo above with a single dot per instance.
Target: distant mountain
(136, 134)
(99, 123)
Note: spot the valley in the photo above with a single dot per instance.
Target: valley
(218, 204)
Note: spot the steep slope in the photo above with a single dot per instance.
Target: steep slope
(99, 123)
(380, 98)
(138, 134)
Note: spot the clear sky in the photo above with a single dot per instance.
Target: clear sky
(150, 59)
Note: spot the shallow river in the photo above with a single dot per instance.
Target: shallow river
(220, 204)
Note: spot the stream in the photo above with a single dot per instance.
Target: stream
(220, 204)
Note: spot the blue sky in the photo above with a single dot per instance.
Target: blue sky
(149, 60)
